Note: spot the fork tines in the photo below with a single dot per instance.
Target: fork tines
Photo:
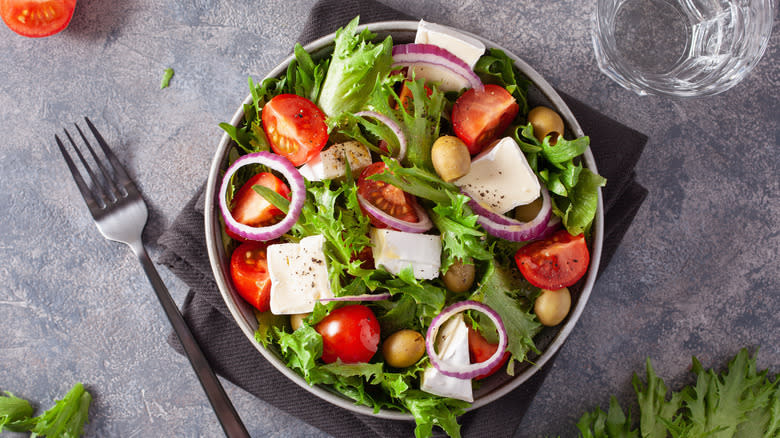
(109, 183)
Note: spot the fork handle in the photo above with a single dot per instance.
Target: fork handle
(226, 413)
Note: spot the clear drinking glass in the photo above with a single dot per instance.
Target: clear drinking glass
(680, 47)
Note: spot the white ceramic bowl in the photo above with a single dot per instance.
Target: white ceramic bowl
(548, 341)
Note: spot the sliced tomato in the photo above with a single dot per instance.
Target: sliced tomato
(479, 117)
(37, 18)
(249, 270)
(349, 334)
(250, 208)
(386, 197)
(295, 127)
(480, 350)
(556, 262)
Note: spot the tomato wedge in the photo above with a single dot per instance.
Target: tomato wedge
(37, 18)
(249, 270)
(250, 208)
(386, 197)
(349, 334)
(480, 350)
(479, 117)
(295, 127)
(556, 262)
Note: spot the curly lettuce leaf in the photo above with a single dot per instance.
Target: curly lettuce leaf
(495, 67)
(610, 424)
(13, 412)
(420, 121)
(460, 235)
(574, 188)
(510, 298)
(738, 402)
(579, 208)
(355, 67)
(429, 411)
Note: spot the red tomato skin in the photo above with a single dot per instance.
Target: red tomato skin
(556, 262)
(250, 208)
(349, 334)
(43, 17)
(249, 271)
(386, 197)
(480, 350)
(479, 117)
(295, 127)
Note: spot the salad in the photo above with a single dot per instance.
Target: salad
(402, 221)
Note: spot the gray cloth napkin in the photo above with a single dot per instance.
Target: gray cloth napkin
(616, 149)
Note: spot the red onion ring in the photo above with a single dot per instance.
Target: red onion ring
(475, 369)
(297, 187)
(552, 226)
(393, 126)
(411, 54)
(513, 230)
(422, 225)
(364, 297)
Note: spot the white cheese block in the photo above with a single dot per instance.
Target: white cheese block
(500, 178)
(330, 164)
(465, 47)
(452, 345)
(397, 250)
(299, 275)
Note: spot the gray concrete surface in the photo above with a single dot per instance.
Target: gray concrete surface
(697, 274)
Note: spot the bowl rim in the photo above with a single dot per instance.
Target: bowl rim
(242, 315)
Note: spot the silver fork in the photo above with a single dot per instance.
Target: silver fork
(120, 214)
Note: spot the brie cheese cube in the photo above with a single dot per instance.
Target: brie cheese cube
(500, 178)
(465, 47)
(330, 163)
(452, 345)
(299, 275)
(397, 250)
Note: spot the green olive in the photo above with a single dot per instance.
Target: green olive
(459, 277)
(296, 321)
(403, 348)
(546, 122)
(527, 212)
(552, 306)
(451, 158)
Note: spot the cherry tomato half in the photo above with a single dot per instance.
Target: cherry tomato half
(249, 270)
(251, 209)
(479, 117)
(386, 197)
(556, 262)
(480, 350)
(349, 333)
(295, 127)
(37, 18)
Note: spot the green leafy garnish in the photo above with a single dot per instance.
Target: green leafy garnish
(420, 121)
(495, 67)
(356, 65)
(574, 188)
(510, 297)
(65, 419)
(166, 79)
(13, 412)
(739, 402)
